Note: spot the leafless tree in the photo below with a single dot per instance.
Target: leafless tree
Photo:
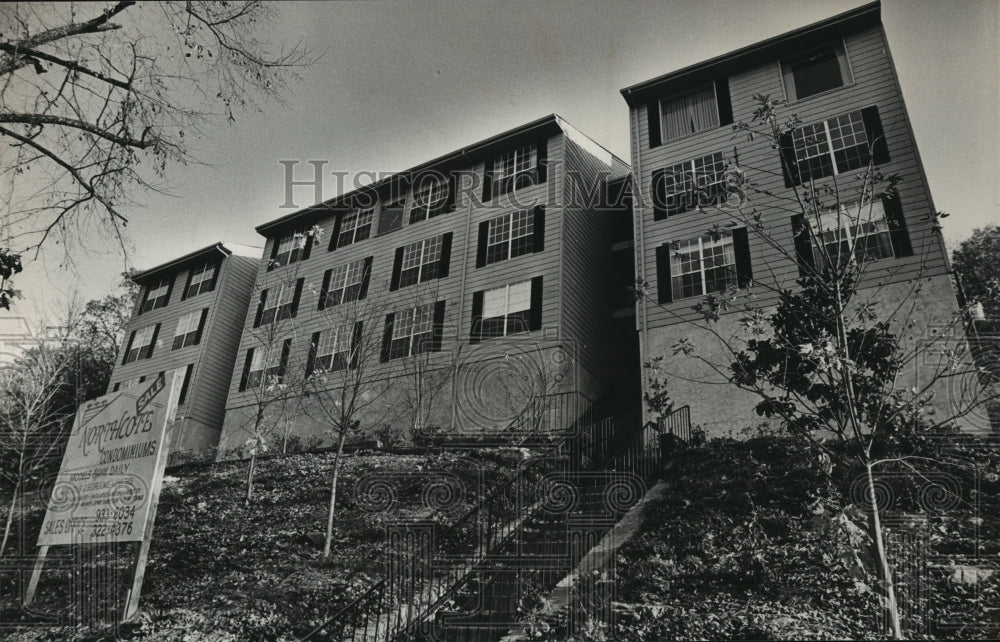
(99, 99)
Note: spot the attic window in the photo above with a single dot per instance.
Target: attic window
(815, 72)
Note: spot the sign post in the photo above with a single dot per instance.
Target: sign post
(108, 485)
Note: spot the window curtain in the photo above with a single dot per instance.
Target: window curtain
(689, 114)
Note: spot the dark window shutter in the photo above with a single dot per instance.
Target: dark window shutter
(260, 308)
(286, 350)
(741, 248)
(201, 326)
(308, 245)
(170, 289)
(117, 386)
(187, 284)
(438, 332)
(356, 344)
(128, 346)
(898, 233)
(298, 295)
(484, 229)
(397, 268)
(152, 341)
(725, 103)
(653, 118)
(246, 370)
(184, 386)
(535, 320)
(216, 268)
(387, 337)
(538, 240)
(803, 245)
(449, 204)
(876, 135)
(311, 357)
(663, 291)
(475, 334)
(488, 180)
(542, 156)
(658, 192)
(445, 261)
(366, 278)
(789, 167)
(274, 252)
(337, 220)
(324, 289)
(142, 301)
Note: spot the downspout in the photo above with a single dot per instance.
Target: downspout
(461, 303)
(638, 211)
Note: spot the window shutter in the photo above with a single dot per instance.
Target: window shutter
(201, 326)
(117, 386)
(170, 289)
(476, 334)
(260, 308)
(246, 370)
(356, 337)
(653, 117)
(542, 156)
(449, 205)
(142, 301)
(128, 346)
(488, 180)
(535, 320)
(286, 350)
(307, 246)
(898, 233)
(445, 261)
(741, 248)
(274, 252)
(152, 341)
(187, 284)
(387, 337)
(184, 386)
(484, 228)
(724, 101)
(876, 135)
(438, 333)
(311, 357)
(789, 167)
(323, 291)
(538, 240)
(337, 220)
(397, 268)
(298, 295)
(658, 192)
(663, 292)
(803, 245)
(216, 267)
(365, 278)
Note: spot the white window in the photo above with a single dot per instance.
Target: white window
(187, 330)
(815, 72)
(509, 166)
(509, 236)
(506, 309)
(832, 146)
(412, 331)
(697, 182)
(334, 349)
(345, 283)
(703, 265)
(202, 279)
(429, 198)
(356, 226)
(688, 114)
(265, 365)
(141, 346)
(852, 232)
(421, 261)
(157, 295)
(278, 303)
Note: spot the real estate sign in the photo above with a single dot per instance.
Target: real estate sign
(111, 472)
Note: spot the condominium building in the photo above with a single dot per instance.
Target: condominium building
(188, 318)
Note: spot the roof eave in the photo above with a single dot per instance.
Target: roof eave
(202, 253)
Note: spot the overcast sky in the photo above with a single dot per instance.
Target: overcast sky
(401, 83)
